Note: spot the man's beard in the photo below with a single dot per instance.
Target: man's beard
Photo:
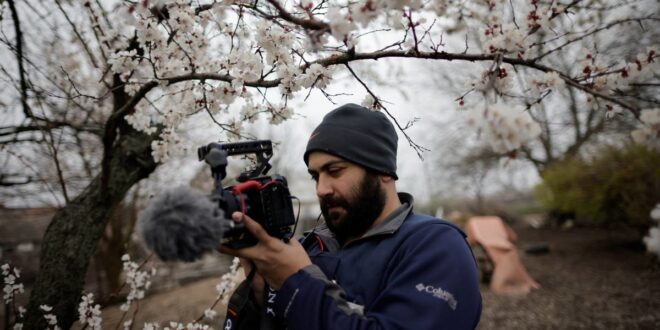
(361, 209)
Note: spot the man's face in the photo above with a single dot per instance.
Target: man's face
(351, 198)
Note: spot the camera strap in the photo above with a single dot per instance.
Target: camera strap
(242, 312)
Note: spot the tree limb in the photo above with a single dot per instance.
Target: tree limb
(75, 31)
(309, 24)
(347, 57)
(606, 27)
(19, 58)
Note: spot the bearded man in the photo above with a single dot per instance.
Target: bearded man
(373, 263)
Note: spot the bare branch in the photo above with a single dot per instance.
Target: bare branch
(418, 148)
(309, 24)
(30, 166)
(80, 38)
(19, 58)
(347, 57)
(602, 28)
(54, 153)
(12, 179)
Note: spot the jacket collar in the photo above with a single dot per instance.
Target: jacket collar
(388, 226)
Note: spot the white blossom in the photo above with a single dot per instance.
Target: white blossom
(505, 127)
(235, 128)
(507, 39)
(612, 111)
(396, 21)
(648, 129)
(51, 319)
(497, 79)
(11, 287)
(147, 31)
(245, 66)
(138, 282)
(141, 120)
(552, 79)
(151, 326)
(169, 144)
(363, 12)
(279, 114)
(123, 61)
(224, 94)
(652, 241)
(655, 213)
(289, 78)
(370, 103)
(210, 314)
(250, 111)
(229, 281)
(548, 81)
(276, 41)
(340, 24)
(317, 76)
(88, 313)
(181, 16)
(189, 326)
(642, 67)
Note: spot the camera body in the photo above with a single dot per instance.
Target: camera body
(266, 199)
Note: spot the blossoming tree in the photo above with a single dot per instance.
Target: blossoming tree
(115, 80)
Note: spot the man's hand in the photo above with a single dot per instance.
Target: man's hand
(274, 259)
(258, 283)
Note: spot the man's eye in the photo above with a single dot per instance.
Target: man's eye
(334, 171)
(315, 177)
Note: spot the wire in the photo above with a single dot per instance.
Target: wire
(295, 225)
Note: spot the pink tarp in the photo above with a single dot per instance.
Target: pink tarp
(509, 274)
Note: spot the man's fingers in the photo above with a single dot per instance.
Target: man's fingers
(250, 253)
(253, 227)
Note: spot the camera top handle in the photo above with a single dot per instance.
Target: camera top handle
(215, 154)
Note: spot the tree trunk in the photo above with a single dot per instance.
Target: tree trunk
(112, 245)
(75, 230)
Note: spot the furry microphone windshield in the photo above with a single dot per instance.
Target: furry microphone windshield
(182, 224)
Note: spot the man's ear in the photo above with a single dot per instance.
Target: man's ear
(386, 178)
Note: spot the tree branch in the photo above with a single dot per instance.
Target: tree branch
(309, 24)
(347, 57)
(75, 30)
(608, 26)
(418, 148)
(19, 58)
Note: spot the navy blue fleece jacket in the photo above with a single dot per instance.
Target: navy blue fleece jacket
(410, 272)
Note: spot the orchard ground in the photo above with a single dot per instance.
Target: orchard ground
(591, 279)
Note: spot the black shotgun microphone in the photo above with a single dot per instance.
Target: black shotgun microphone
(182, 224)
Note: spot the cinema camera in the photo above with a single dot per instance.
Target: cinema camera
(266, 199)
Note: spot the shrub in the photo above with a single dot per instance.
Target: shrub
(619, 185)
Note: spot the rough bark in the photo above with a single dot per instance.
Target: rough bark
(75, 230)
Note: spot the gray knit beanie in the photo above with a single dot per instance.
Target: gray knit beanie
(359, 135)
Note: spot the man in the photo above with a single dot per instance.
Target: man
(373, 263)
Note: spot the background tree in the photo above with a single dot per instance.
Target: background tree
(119, 81)
(570, 122)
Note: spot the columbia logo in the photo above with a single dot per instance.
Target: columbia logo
(438, 293)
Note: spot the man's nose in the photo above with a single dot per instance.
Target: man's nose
(323, 187)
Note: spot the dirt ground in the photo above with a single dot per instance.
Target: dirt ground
(591, 279)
